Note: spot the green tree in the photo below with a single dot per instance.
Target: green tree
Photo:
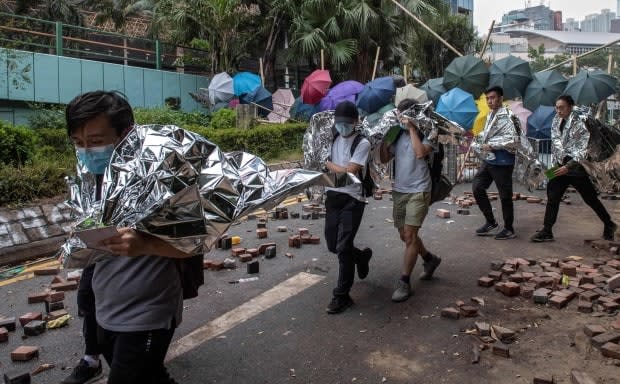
(66, 11)
(539, 62)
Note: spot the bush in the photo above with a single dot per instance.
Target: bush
(47, 117)
(17, 144)
(224, 118)
(35, 180)
(55, 139)
(164, 115)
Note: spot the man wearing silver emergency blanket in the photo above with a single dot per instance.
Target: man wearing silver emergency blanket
(167, 194)
(497, 146)
(570, 138)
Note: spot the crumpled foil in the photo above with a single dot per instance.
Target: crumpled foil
(178, 186)
(502, 133)
(605, 173)
(574, 141)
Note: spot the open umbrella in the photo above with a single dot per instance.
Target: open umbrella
(539, 122)
(512, 74)
(591, 87)
(245, 82)
(347, 90)
(468, 73)
(458, 106)
(260, 96)
(399, 81)
(374, 118)
(233, 103)
(481, 118)
(410, 92)
(221, 88)
(544, 88)
(521, 112)
(303, 111)
(434, 89)
(376, 94)
(283, 100)
(315, 86)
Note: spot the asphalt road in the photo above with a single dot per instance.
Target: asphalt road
(286, 336)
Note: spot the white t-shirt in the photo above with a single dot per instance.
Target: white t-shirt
(411, 174)
(341, 156)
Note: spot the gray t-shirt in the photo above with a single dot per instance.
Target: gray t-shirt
(137, 293)
(341, 156)
(411, 174)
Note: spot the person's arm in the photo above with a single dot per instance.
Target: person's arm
(385, 154)
(421, 149)
(351, 167)
(133, 243)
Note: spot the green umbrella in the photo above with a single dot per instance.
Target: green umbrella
(544, 88)
(512, 74)
(591, 87)
(434, 89)
(468, 73)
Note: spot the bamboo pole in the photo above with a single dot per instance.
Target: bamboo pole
(427, 28)
(262, 75)
(322, 60)
(610, 60)
(374, 69)
(271, 110)
(581, 56)
(574, 65)
(486, 41)
(405, 73)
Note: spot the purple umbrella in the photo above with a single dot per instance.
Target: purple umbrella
(347, 90)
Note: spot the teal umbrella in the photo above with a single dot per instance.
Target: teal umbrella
(458, 106)
(591, 87)
(512, 74)
(468, 73)
(544, 89)
(434, 89)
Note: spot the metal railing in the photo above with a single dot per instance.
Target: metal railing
(37, 35)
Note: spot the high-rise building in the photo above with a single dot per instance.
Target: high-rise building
(539, 17)
(571, 25)
(464, 8)
(598, 22)
(557, 21)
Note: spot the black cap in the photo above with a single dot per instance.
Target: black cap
(346, 112)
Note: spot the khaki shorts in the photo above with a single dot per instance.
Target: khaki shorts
(410, 208)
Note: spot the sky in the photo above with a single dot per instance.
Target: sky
(487, 10)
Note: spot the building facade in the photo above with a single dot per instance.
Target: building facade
(539, 17)
(598, 22)
(463, 8)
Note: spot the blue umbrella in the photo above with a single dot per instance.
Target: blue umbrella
(376, 94)
(301, 111)
(259, 96)
(539, 122)
(245, 82)
(458, 106)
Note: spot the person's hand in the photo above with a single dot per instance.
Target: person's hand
(486, 147)
(561, 171)
(129, 242)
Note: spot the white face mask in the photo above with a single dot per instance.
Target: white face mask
(345, 129)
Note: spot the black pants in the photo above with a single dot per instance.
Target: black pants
(86, 307)
(136, 357)
(580, 180)
(343, 218)
(502, 176)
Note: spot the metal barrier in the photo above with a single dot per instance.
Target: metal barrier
(542, 150)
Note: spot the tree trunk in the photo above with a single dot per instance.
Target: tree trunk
(271, 49)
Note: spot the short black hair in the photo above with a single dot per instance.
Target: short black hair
(405, 105)
(497, 89)
(90, 105)
(346, 112)
(568, 99)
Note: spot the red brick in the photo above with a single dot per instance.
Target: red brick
(516, 277)
(485, 281)
(534, 200)
(501, 349)
(611, 350)
(568, 269)
(30, 316)
(303, 231)
(606, 337)
(262, 247)
(289, 255)
(57, 280)
(468, 311)
(378, 196)
(294, 241)
(245, 257)
(585, 307)
(216, 265)
(207, 264)
(527, 291)
(282, 228)
(49, 271)
(565, 293)
(38, 297)
(68, 286)
(443, 213)
(495, 275)
(56, 314)
(315, 239)
(589, 296)
(451, 313)
(55, 296)
(558, 301)
(587, 286)
(262, 233)
(592, 330)
(306, 239)
(611, 306)
(578, 377)
(4, 335)
(237, 251)
(24, 353)
(511, 289)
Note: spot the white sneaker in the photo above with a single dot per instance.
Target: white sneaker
(402, 292)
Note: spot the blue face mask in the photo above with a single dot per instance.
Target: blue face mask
(344, 129)
(95, 159)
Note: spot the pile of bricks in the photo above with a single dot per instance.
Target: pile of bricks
(313, 211)
(605, 340)
(557, 282)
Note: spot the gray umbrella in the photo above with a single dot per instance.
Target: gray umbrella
(512, 74)
(544, 88)
(434, 89)
(591, 87)
(468, 73)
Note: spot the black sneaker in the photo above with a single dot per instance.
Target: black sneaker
(610, 231)
(362, 263)
(486, 229)
(505, 234)
(542, 236)
(83, 373)
(339, 304)
(430, 267)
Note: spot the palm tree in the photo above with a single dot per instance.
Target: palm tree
(65, 11)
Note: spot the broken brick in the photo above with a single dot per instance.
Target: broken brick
(468, 311)
(262, 233)
(534, 200)
(35, 328)
(443, 213)
(606, 337)
(484, 329)
(237, 251)
(506, 335)
(216, 265)
(264, 246)
(4, 335)
(451, 313)
(56, 314)
(245, 257)
(51, 306)
(30, 316)
(294, 241)
(585, 307)
(501, 349)
(303, 231)
(289, 255)
(68, 286)
(485, 281)
(592, 330)
(38, 297)
(270, 252)
(462, 211)
(378, 196)
(57, 280)
(282, 228)
(539, 379)
(315, 239)
(8, 323)
(611, 350)
(578, 377)
(24, 353)
(49, 271)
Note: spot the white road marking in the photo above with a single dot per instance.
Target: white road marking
(242, 313)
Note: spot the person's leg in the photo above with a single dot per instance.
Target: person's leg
(481, 183)
(555, 190)
(138, 357)
(588, 193)
(502, 176)
(349, 219)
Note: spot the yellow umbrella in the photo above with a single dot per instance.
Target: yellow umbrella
(483, 111)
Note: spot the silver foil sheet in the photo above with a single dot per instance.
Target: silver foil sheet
(500, 133)
(178, 186)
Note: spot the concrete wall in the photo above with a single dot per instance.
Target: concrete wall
(37, 77)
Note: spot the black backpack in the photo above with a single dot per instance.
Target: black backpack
(192, 275)
(368, 184)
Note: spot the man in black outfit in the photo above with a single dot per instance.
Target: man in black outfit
(569, 137)
(345, 204)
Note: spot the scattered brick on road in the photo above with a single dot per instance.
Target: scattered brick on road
(443, 213)
(30, 316)
(24, 353)
(68, 286)
(578, 377)
(450, 313)
(8, 323)
(611, 350)
(501, 349)
(592, 330)
(49, 271)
